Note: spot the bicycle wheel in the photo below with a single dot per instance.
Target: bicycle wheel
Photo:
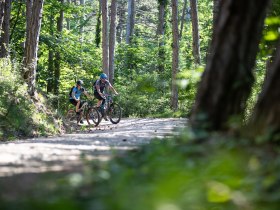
(93, 116)
(71, 115)
(115, 113)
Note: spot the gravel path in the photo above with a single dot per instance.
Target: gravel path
(68, 151)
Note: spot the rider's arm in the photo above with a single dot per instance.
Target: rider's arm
(98, 90)
(112, 88)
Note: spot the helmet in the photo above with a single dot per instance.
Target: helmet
(80, 82)
(103, 76)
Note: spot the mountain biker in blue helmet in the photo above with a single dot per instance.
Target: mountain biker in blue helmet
(76, 93)
(99, 86)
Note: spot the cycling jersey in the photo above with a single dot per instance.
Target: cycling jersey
(101, 85)
(77, 93)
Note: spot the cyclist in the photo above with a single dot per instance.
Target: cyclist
(99, 86)
(75, 94)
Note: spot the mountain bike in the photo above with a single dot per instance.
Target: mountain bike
(111, 110)
(88, 112)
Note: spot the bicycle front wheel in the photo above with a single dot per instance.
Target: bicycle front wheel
(115, 113)
(93, 116)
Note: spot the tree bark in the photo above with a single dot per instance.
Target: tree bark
(112, 39)
(34, 11)
(5, 32)
(175, 55)
(216, 8)
(121, 22)
(105, 47)
(227, 80)
(183, 18)
(195, 31)
(266, 116)
(2, 9)
(98, 27)
(160, 34)
(50, 80)
(57, 53)
(130, 21)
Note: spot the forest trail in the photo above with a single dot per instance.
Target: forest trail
(69, 151)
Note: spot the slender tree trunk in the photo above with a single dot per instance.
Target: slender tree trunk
(98, 27)
(50, 80)
(57, 53)
(266, 116)
(17, 18)
(195, 31)
(112, 39)
(33, 25)
(5, 33)
(183, 18)
(2, 9)
(121, 22)
(105, 47)
(160, 35)
(67, 19)
(227, 80)
(130, 21)
(175, 55)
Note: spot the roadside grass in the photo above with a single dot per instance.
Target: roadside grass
(181, 173)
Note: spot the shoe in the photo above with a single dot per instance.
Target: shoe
(105, 118)
(82, 122)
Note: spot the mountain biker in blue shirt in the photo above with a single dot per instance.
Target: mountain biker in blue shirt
(75, 95)
(99, 86)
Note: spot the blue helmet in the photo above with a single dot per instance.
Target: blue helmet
(103, 76)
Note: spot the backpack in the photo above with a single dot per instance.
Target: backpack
(70, 93)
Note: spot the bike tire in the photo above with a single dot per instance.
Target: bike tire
(71, 115)
(94, 116)
(115, 113)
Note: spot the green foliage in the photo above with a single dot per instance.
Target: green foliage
(17, 115)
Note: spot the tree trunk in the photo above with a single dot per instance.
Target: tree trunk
(5, 32)
(98, 27)
(216, 8)
(183, 18)
(33, 25)
(121, 22)
(2, 9)
(112, 39)
(226, 82)
(266, 116)
(50, 80)
(195, 31)
(57, 53)
(130, 21)
(160, 34)
(175, 55)
(67, 19)
(105, 48)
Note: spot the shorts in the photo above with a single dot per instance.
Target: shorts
(74, 102)
(97, 95)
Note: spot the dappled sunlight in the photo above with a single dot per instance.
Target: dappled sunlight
(64, 152)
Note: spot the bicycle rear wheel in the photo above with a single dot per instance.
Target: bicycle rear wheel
(115, 113)
(93, 116)
(71, 115)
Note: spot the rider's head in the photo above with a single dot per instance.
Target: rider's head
(103, 76)
(80, 83)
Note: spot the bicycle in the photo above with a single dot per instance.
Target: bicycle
(88, 111)
(111, 110)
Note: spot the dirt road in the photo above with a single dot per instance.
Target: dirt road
(67, 151)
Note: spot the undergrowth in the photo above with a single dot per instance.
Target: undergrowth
(20, 116)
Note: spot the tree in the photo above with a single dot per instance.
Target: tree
(183, 18)
(112, 39)
(98, 27)
(130, 21)
(34, 11)
(226, 82)
(216, 6)
(266, 116)
(50, 79)
(5, 32)
(195, 31)
(57, 53)
(161, 32)
(105, 48)
(175, 55)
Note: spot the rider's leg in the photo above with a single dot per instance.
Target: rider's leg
(78, 106)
